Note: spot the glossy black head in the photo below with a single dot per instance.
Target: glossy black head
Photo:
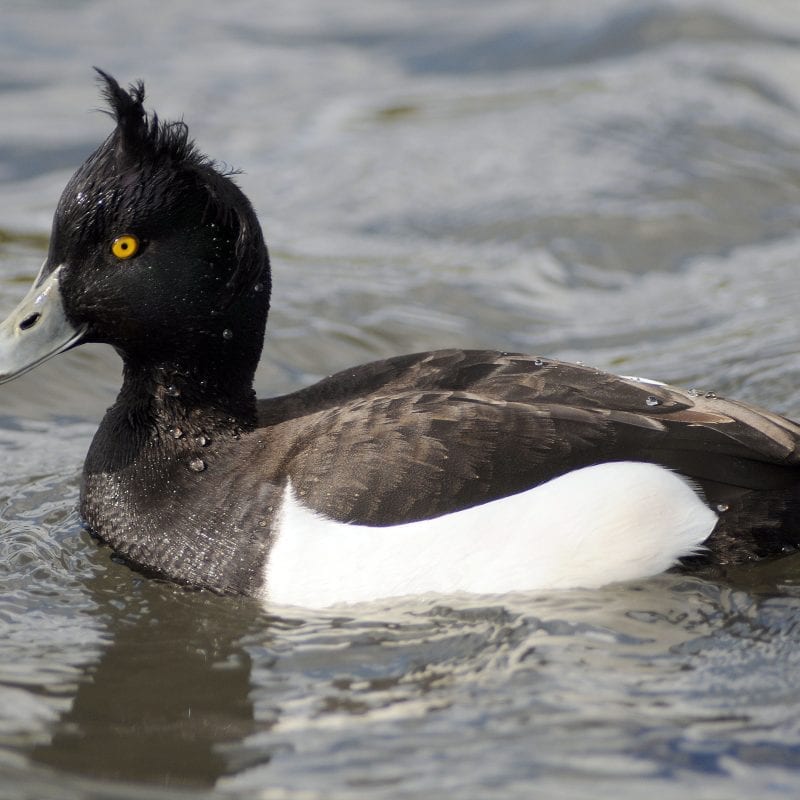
(160, 254)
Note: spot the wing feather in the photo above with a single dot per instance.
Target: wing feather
(422, 435)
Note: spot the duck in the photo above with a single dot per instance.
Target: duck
(448, 471)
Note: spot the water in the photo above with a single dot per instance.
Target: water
(617, 184)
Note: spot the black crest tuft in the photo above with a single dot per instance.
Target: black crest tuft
(128, 107)
(139, 134)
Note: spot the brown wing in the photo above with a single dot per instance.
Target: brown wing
(421, 435)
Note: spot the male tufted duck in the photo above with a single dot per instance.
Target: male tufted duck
(441, 471)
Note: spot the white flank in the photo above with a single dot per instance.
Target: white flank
(611, 522)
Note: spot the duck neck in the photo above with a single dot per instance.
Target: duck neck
(155, 484)
(200, 371)
(168, 396)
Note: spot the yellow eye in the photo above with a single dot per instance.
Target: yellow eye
(125, 246)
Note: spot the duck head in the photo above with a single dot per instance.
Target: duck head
(154, 251)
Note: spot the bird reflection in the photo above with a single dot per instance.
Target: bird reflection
(171, 688)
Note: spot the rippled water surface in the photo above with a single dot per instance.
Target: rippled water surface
(615, 182)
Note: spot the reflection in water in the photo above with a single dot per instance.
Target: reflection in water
(169, 691)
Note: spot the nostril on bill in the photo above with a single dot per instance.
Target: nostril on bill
(29, 321)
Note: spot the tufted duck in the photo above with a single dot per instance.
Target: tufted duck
(440, 471)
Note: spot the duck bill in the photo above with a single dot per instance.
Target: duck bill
(36, 329)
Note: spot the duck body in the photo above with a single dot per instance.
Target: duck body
(420, 440)
(440, 471)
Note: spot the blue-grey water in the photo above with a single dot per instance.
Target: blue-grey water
(616, 182)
